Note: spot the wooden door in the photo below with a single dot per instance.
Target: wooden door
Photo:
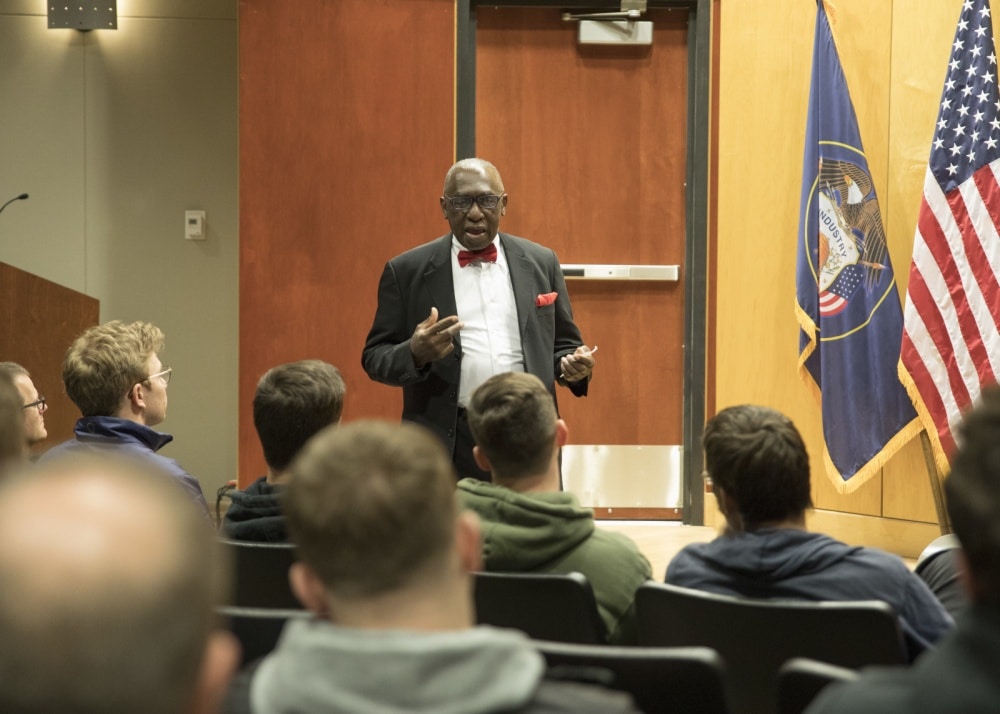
(592, 143)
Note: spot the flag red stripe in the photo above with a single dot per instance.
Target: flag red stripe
(928, 391)
(923, 300)
(937, 244)
(977, 261)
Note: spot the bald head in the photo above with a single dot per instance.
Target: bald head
(109, 584)
(478, 167)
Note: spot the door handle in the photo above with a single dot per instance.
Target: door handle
(586, 271)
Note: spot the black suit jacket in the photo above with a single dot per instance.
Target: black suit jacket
(419, 279)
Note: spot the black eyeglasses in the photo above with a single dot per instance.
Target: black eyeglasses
(486, 201)
(38, 404)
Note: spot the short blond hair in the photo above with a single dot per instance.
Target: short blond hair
(103, 364)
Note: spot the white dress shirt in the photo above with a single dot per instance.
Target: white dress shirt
(491, 341)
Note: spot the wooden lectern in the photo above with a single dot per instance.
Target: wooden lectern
(38, 321)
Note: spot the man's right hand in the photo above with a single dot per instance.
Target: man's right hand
(433, 339)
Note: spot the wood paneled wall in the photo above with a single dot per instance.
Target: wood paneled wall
(346, 131)
(894, 56)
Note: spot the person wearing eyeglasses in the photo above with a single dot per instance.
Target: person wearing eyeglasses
(13, 450)
(113, 373)
(34, 404)
(471, 304)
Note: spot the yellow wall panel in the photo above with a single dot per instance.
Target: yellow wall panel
(894, 54)
(765, 60)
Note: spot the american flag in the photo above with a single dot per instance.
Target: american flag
(951, 323)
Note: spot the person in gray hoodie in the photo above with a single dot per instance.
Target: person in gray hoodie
(529, 524)
(385, 564)
(760, 473)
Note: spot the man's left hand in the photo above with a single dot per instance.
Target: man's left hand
(577, 366)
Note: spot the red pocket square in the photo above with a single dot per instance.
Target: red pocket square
(545, 299)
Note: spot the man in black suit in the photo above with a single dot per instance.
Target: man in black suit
(476, 302)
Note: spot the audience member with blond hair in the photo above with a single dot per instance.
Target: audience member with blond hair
(113, 373)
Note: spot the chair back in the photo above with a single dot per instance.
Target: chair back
(261, 574)
(755, 637)
(544, 606)
(682, 679)
(258, 628)
(939, 565)
(801, 679)
(941, 544)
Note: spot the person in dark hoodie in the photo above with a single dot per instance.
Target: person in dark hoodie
(529, 524)
(385, 563)
(292, 403)
(760, 474)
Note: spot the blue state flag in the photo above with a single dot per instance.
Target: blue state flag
(847, 304)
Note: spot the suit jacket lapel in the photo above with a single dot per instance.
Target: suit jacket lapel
(520, 279)
(437, 280)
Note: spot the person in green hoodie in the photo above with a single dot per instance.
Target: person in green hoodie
(531, 526)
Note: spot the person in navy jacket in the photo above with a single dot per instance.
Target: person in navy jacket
(113, 374)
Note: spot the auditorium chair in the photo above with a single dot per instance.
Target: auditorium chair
(801, 679)
(939, 567)
(260, 577)
(755, 637)
(941, 544)
(544, 606)
(679, 679)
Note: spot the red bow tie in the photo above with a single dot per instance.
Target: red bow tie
(487, 255)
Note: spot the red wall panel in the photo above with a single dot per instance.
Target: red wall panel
(346, 131)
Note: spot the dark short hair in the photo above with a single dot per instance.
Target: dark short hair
(972, 493)
(294, 401)
(371, 507)
(512, 417)
(757, 456)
